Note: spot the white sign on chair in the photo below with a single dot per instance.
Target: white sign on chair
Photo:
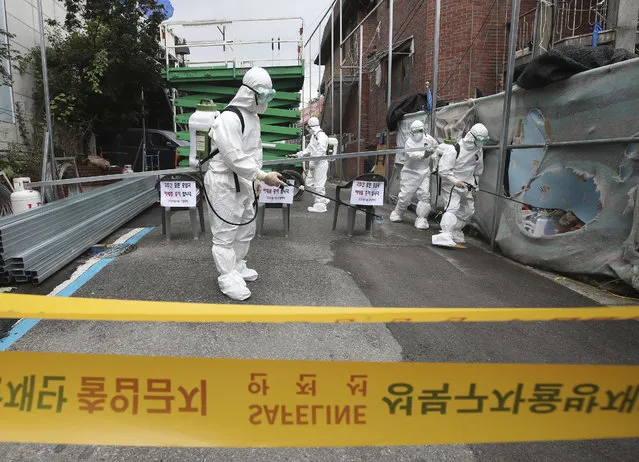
(367, 193)
(276, 195)
(178, 193)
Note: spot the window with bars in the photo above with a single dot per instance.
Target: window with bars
(401, 70)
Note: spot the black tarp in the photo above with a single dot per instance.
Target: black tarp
(564, 61)
(407, 105)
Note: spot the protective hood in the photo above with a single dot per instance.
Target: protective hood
(313, 125)
(245, 97)
(477, 130)
(425, 140)
(417, 131)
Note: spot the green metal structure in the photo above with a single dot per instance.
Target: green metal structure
(193, 83)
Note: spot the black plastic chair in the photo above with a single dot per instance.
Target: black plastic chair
(368, 209)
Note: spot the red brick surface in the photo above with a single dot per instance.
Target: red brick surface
(462, 67)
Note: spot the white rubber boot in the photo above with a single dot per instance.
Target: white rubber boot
(248, 274)
(233, 286)
(317, 207)
(458, 236)
(443, 240)
(395, 217)
(421, 223)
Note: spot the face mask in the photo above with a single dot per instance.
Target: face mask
(480, 140)
(263, 95)
(417, 135)
(261, 108)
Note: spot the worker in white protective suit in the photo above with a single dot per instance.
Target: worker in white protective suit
(232, 175)
(415, 176)
(317, 169)
(460, 171)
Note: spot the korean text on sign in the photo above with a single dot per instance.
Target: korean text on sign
(276, 195)
(367, 193)
(178, 194)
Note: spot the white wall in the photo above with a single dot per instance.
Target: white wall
(20, 17)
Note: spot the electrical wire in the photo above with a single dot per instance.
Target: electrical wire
(503, 197)
(372, 64)
(302, 188)
(410, 18)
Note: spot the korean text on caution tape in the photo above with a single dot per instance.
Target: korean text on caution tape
(164, 401)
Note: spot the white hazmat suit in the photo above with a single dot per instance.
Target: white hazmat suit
(457, 172)
(415, 176)
(240, 153)
(317, 169)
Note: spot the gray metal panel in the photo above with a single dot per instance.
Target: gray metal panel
(34, 245)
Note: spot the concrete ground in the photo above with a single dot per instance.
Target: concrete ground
(396, 266)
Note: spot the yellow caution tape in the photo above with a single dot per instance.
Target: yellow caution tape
(93, 309)
(172, 401)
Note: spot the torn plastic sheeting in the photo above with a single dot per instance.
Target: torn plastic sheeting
(455, 120)
(524, 164)
(531, 181)
(564, 189)
(592, 105)
(629, 163)
(631, 251)
(597, 247)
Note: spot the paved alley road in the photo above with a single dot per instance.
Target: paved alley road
(316, 266)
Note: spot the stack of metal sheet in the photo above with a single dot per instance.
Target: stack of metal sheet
(36, 244)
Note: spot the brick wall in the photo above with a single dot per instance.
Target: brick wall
(462, 67)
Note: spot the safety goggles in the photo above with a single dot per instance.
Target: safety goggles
(480, 140)
(419, 131)
(263, 95)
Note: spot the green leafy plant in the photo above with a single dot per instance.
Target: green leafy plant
(7, 57)
(98, 62)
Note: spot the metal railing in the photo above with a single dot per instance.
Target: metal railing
(572, 18)
(237, 58)
(578, 17)
(526, 30)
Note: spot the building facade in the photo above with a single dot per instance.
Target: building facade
(21, 18)
(473, 50)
